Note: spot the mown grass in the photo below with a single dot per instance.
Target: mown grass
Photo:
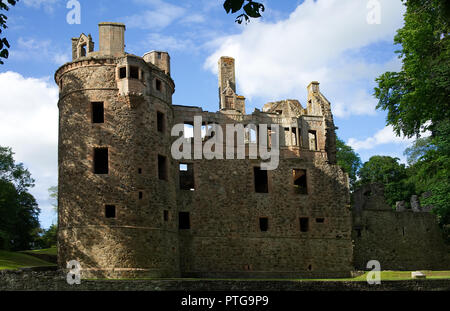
(47, 251)
(385, 276)
(16, 260)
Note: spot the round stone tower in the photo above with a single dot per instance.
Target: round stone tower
(117, 199)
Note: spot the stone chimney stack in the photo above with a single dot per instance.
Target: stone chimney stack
(112, 38)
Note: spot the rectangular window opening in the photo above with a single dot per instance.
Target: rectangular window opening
(158, 85)
(98, 112)
(122, 72)
(320, 220)
(312, 140)
(184, 221)
(304, 224)
(160, 121)
(110, 211)
(264, 224)
(158, 55)
(101, 165)
(187, 176)
(139, 171)
(166, 215)
(261, 180)
(134, 72)
(162, 167)
(141, 195)
(300, 183)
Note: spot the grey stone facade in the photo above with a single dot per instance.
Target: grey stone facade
(126, 219)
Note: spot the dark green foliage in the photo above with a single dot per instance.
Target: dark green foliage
(4, 44)
(419, 95)
(252, 9)
(432, 173)
(19, 211)
(393, 175)
(348, 160)
(48, 238)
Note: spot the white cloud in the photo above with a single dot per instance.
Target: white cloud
(168, 43)
(39, 50)
(160, 15)
(384, 136)
(29, 125)
(48, 5)
(317, 41)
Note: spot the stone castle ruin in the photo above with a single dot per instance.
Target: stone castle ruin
(127, 208)
(401, 239)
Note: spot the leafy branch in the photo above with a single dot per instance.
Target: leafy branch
(251, 10)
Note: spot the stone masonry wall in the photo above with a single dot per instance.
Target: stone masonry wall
(398, 240)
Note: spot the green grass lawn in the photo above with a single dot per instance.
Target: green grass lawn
(385, 276)
(48, 251)
(13, 261)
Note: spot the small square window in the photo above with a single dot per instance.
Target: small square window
(110, 211)
(260, 180)
(184, 221)
(122, 72)
(186, 173)
(160, 121)
(98, 112)
(101, 159)
(264, 224)
(134, 72)
(300, 183)
(304, 224)
(162, 167)
(158, 85)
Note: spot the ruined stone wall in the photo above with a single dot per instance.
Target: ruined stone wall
(225, 238)
(137, 241)
(398, 240)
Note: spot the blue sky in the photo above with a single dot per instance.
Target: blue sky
(295, 42)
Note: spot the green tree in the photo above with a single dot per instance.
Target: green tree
(4, 44)
(18, 208)
(418, 96)
(432, 173)
(348, 160)
(252, 9)
(53, 195)
(48, 238)
(389, 172)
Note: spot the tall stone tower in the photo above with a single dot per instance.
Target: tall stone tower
(116, 187)
(229, 100)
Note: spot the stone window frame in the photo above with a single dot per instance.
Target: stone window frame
(161, 84)
(167, 213)
(164, 121)
(91, 112)
(299, 224)
(308, 177)
(193, 175)
(126, 72)
(92, 158)
(166, 179)
(259, 224)
(102, 211)
(269, 180)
